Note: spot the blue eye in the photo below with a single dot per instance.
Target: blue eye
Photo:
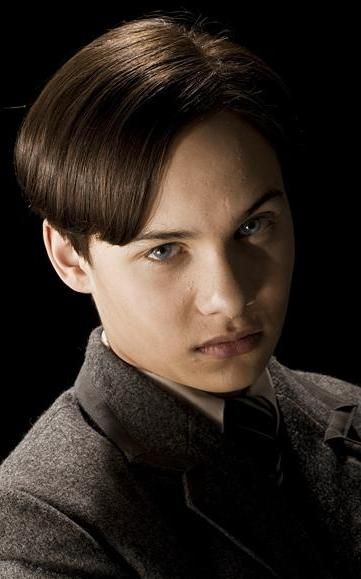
(161, 247)
(263, 221)
(256, 220)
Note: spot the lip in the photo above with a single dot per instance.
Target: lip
(231, 348)
(229, 338)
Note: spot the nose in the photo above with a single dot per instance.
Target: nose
(224, 287)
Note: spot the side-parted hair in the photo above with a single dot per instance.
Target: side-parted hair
(91, 151)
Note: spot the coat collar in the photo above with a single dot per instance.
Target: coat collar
(161, 428)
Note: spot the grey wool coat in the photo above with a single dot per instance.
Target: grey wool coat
(121, 479)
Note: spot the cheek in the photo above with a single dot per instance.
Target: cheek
(274, 294)
(288, 253)
(283, 259)
(161, 296)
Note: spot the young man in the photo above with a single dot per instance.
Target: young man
(158, 157)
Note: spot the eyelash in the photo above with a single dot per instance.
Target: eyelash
(267, 218)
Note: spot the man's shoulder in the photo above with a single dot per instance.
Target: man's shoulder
(322, 404)
(315, 384)
(57, 491)
(60, 451)
(46, 424)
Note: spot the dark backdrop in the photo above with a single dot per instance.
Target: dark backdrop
(46, 325)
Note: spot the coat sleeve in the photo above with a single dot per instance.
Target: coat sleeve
(38, 541)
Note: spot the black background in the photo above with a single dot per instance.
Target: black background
(45, 325)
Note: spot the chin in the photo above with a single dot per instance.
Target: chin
(231, 379)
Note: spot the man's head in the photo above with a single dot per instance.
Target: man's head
(162, 296)
(156, 127)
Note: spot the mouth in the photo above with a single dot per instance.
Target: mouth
(232, 348)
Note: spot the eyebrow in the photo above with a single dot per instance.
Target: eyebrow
(191, 234)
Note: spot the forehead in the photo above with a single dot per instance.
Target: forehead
(219, 164)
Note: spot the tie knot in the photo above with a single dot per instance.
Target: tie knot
(252, 417)
(252, 422)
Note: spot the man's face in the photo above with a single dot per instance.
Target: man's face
(158, 299)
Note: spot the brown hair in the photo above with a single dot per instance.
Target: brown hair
(90, 152)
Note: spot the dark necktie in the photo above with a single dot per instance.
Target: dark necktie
(252, 422)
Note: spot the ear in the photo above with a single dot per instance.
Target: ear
(69, 266)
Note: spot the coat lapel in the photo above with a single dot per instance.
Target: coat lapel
(322, 442)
